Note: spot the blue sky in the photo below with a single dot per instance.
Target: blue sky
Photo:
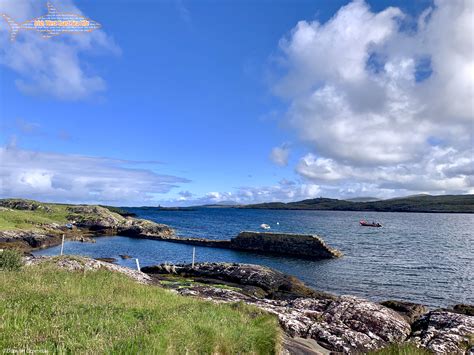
(207, 101)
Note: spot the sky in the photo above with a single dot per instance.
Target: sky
(183, 102)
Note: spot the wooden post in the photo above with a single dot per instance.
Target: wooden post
(194, 255)
(62, 245)
(138, 265)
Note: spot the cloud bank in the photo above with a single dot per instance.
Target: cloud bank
(79, 179)
(384, 106)
(284, 190)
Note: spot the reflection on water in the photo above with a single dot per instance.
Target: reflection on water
(419, 257)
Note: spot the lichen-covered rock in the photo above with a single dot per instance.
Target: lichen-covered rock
(97, 218)
(444, 332)
(77, 263)
(342, 324)
(28, 239)
(22, 204)
(274, 284)
(94, 217)
(346, 324)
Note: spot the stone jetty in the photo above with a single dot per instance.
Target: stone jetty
(304, 246)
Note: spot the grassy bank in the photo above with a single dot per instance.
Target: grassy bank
(31, 220)
(43, 308)
(21, 214)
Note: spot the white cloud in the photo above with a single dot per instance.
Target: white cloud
(79, 179)
(443, 170)
(279, 155)
(51, 67)
(285, 190)
(358, 97)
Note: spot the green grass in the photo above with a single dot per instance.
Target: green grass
(43, 308)
(32, 220)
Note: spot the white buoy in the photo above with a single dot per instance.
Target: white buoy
(278, 223)
(264, 226)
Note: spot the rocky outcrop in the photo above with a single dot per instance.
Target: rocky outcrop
(101, 220)
(299, 245)
(253, 279)
(464, 309)
(21, 204)
(24, 240)
(84, 222)
(344, 324)
(77, 263)
(341, 324)
(410, 311)
(445, 332)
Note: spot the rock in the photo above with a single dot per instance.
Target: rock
(77, 263)
(28, 239)
(21, 204)
(101, 219)
(87, 221)
(464, 309)
(344, 324)
(444, 332)
(107, 260)
(125, 256)
(274, 284)
(94, 217)
(301, 346)
(410, 311)
(82, 239)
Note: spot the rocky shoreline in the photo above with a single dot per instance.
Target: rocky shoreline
(313, 322)
(343, 324)
(84, 222)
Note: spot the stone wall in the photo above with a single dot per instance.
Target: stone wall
(297, 245)
(300, 245)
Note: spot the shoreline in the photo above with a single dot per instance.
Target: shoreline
(323, 322)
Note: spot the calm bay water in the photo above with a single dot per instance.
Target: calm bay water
(418, 257)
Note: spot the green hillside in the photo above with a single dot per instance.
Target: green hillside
(420, 203)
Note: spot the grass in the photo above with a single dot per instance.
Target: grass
(32, 220)
(46, 309)
(10, 260)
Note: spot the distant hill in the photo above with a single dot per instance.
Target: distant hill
(363, 199)
(418, 203)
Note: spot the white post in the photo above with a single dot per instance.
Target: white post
(62, 245)
(138, 265)
(194, 254)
